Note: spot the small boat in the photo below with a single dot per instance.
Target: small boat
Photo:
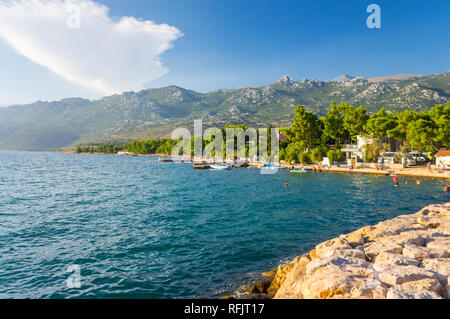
(270, 167)
(221, 167)
(299, 170)
(241, 165)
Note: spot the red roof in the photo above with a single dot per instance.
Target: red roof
(443, 153)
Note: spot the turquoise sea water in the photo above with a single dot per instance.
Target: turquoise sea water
(142, 229)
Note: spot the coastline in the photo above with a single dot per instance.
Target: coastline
(411, 172)
(407, 257)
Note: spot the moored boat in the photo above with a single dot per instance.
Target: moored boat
(221, 167)
(270, 168)
(299, 170)
(241, 165)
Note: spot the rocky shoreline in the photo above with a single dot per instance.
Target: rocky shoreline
(407, 257)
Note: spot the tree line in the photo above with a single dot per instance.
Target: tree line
(151, 146)
(310, 138)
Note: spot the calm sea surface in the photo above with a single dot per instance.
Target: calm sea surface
(142, 229)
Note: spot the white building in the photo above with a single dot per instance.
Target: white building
(443, 159)
(355, 152)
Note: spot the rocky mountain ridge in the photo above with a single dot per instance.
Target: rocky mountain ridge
(155, 112)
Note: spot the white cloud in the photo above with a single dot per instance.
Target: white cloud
(105, 54)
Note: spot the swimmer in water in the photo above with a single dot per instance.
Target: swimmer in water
(396, 185)
(447, 188)
(286, 184)
(418, 182)
(407, 182)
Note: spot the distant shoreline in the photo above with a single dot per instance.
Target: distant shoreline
(411, 172)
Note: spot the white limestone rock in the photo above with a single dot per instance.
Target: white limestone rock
(396, 293)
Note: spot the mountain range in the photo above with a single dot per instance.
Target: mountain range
(156, 112)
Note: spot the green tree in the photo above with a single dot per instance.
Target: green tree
(318, 153)
(306, 128)
(403, 119)
(380, 123)
(304, 158)
(291, 153)
(355, 120)
(333, 124)
(371, 152)
(440, 114)
(335, 156)
(421, 133)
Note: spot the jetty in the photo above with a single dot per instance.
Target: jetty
(165, 160)
(201, 165)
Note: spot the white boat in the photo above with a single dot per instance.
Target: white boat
(270, 168)
(220, 167)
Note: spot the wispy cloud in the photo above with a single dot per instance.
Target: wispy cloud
(79, 41)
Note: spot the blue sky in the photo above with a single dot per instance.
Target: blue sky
(227, 44)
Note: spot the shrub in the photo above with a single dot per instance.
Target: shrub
(340, 157)
(304, 158)
(291, 153)
(335, 156)
(331, 157)
(318, 153)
